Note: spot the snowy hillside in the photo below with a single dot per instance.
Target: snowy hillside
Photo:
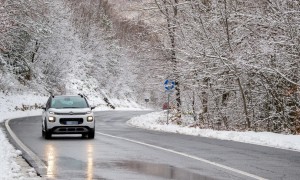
(63, 63)
(235, 64)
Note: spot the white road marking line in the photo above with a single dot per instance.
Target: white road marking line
(40, 165)
(186, 155)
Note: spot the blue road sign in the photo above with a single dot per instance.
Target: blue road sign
(169, 85)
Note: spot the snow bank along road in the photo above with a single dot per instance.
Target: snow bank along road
(123, 152)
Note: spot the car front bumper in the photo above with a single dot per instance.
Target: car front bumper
(70, 124)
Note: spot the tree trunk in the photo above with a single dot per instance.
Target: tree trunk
(248, 124)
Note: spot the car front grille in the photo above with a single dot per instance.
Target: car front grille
(70, 129)
(80, 113)
(71, 121)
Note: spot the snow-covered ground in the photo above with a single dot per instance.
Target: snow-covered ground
(12, 166)
(157, 121)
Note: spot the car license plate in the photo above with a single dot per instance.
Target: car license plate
(72, 123)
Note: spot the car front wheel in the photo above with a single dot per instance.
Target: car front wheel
(46, 133)
(91, 134)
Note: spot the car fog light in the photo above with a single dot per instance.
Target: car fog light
(90, 118)
(51, 119)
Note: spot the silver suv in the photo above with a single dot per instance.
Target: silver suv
(68, 115)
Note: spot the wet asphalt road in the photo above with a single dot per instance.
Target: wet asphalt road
(114, 154)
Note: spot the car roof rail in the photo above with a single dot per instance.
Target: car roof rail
(82, 95)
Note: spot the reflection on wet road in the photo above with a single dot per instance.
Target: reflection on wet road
(60, 166)
(161, 170)
(51, 160)
(57, 164)
(90, 159)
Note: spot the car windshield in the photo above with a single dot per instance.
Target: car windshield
(60, 102)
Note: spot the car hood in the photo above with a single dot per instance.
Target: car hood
(70, 110)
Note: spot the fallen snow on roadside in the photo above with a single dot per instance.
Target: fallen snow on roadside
(157, 121)
(9, 168)
(10, 107)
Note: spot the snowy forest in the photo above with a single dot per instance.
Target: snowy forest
(235, 63)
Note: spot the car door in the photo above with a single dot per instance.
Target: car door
(45, 110)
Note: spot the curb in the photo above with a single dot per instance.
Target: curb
(32, 159)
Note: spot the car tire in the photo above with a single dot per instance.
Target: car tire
(47, 134)
(43, 132)
(91, 134)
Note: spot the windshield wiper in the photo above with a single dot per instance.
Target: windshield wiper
(71, 107)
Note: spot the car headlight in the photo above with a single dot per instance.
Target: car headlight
(89, 112)
(51, 112)
(51, 119)
(90, 118)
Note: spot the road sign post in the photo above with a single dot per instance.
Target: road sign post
(147, 100)
(168, 108)
(169, 87)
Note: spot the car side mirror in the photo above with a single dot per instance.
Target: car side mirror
(93, 107)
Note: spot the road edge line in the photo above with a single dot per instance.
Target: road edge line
(40, 166)
(188, 156)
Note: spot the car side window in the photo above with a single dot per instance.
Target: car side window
(48, 103)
